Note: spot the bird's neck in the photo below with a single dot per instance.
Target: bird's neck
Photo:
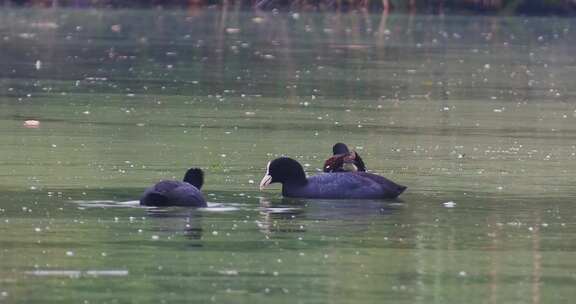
(289, 187)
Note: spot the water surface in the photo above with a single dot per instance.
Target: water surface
(475, 115)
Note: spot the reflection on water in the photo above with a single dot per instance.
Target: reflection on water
(175, 220)
(475, 115)
(288, 214)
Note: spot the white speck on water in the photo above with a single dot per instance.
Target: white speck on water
(250, 181)
(275, 273)
(38, 65)
(37, 229)
(31, 123)
(155, 237)
(214, 232)
(232, 30)
(86, 112)
(449, 204)
(4, 293)
(116, 28)
(53, 145)
(231, 272)
(462, 273)
(258, 20)
(69, 253)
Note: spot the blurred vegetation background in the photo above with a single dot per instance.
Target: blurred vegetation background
(465, 7)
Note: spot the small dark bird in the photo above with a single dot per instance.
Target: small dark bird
(177, 193)
(353, 185)
(344, 160)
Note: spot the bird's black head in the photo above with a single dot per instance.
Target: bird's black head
(340, 148)
(195, 177)
(283, 170)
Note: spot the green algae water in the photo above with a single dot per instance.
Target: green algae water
(476, 115)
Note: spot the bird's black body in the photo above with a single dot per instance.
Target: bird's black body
(352, 185)
(176, 193)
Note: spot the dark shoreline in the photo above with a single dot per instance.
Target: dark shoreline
(563, 8)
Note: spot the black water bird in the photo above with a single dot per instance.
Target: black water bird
(176, 193)
(344, 160)
(352, 185)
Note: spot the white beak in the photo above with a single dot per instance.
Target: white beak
(265, 181)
